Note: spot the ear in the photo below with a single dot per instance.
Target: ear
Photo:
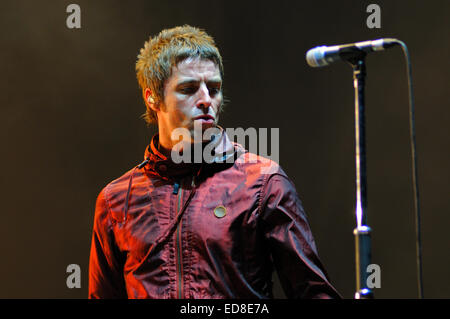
(150, 100)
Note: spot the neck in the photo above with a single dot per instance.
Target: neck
(164, 151)
(167, 148)
(166, 144)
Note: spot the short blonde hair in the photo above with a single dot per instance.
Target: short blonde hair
(166, 50)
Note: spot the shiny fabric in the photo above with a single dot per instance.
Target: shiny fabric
(168, 242)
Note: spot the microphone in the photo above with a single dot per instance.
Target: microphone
(323, 55)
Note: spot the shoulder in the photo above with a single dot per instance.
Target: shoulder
(116, 186)
(258, 165)
(269, 174)
(111, 198)
(276, 188)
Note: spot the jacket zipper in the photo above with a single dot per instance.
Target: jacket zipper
(179, 261)
(177, 189)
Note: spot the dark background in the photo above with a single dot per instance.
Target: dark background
(70, 123)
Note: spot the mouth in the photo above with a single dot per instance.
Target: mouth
(205, 118)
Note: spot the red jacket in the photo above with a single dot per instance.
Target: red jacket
(166, 230)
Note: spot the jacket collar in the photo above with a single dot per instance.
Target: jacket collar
(164, 167)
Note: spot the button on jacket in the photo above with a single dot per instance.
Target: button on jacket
(206, 230)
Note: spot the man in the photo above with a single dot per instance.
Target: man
(211, 228)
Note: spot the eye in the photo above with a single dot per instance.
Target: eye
(213, 90)
(188, 90)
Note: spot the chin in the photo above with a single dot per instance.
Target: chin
(200, 127)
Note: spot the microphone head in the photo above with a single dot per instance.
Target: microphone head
(316, 57)
(323, 55)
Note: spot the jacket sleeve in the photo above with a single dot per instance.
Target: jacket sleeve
(106, 279)
(291, 243)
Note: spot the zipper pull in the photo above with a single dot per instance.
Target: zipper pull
(144, 163)
(176, 187)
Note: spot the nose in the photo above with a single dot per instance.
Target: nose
(204, 99)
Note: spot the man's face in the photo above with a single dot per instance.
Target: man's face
(192, 95)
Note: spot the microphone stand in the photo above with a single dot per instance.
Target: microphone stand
(362, 231)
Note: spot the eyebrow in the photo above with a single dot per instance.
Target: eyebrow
(192, 81)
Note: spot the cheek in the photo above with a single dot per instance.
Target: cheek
(179, 118)
(182, 117)
(218, 104)
(176, 108)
